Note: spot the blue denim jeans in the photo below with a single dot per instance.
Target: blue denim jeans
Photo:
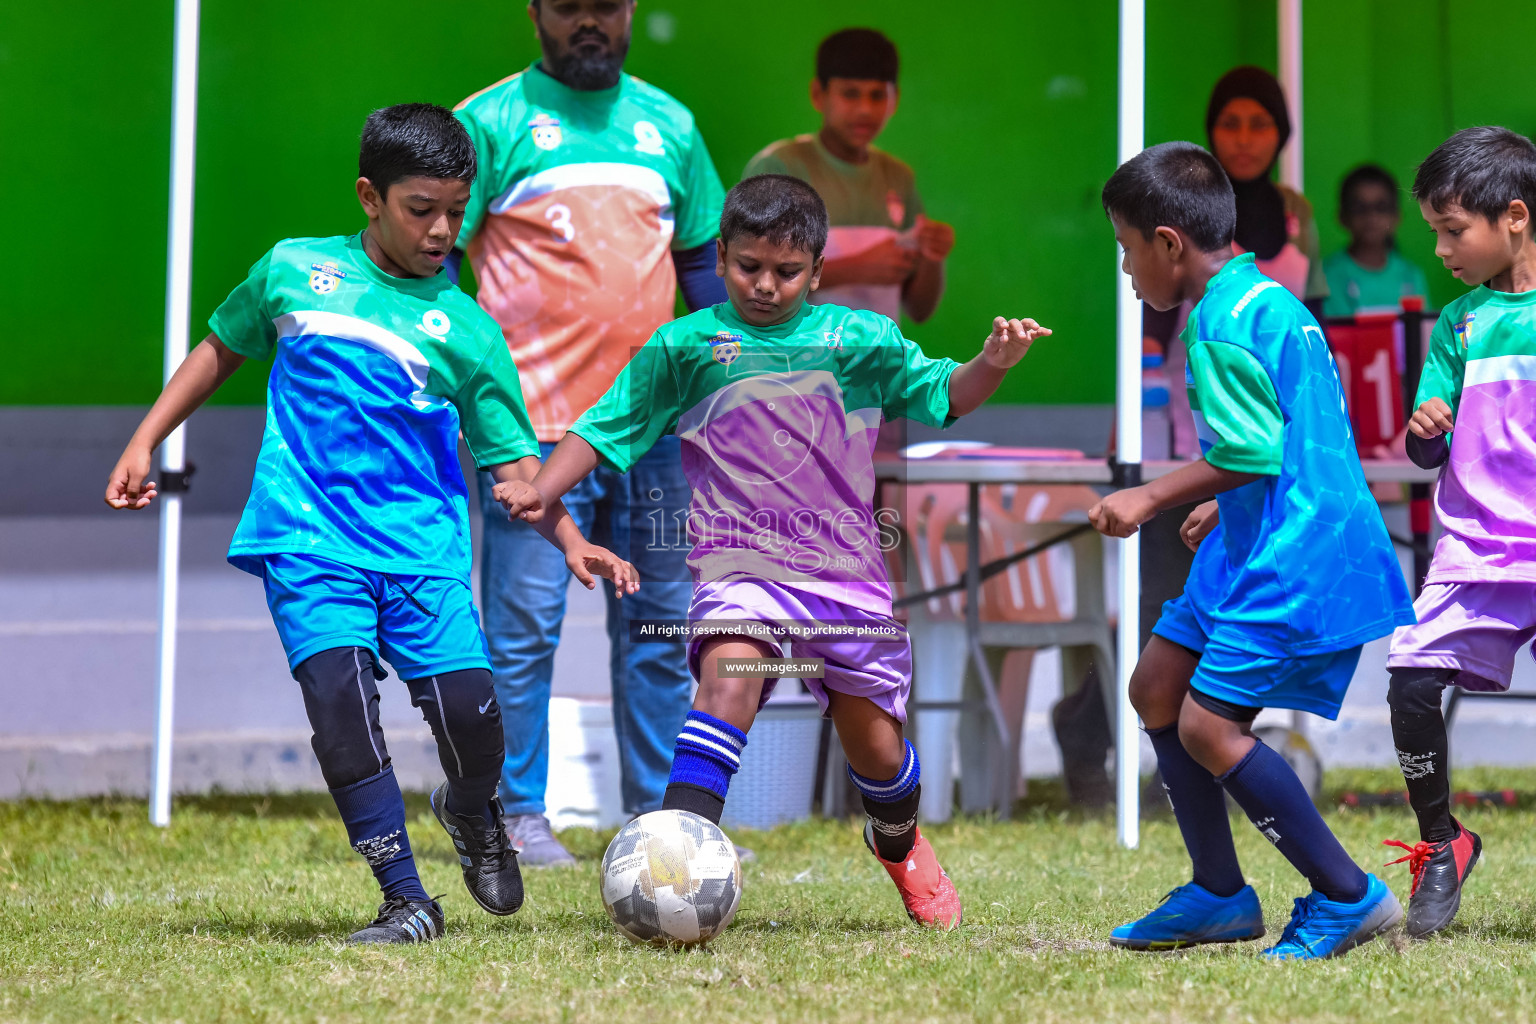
(523, 586)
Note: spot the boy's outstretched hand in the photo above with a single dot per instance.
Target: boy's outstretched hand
(1009, 340)
(1432, 419)
(587, 559)
(521, 500)
(127, 487)
(1122, 513)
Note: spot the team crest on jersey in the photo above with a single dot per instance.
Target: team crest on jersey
(895, 208)
(435, 322)
(324, 277)
(834, 338)
(546, 131)
(725, 347)
(1463, 330)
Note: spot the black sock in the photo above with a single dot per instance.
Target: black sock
(892, 806)
(1200, 807)
(683, 796)
(1277, 803)
(1423, 748)
(893, 826)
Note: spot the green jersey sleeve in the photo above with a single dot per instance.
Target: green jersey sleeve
(642, 406)
(698, 209)
(243, 322)
(1237, 400)
(1445, 368)
(913, 385)
(491, 410)
(485, 159)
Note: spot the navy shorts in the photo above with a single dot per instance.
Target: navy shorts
(1315, 683)
(422, 625)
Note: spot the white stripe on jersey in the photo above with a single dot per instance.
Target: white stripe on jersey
(349, 328)
(1498, 369)
(612, 175)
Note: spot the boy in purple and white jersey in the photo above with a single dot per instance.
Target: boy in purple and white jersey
(1478, 606)
(778, 404)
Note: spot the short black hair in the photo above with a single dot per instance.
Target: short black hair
(1366, 174)
(414, 140)
(1176, 185)
(1482, 170)
(776, 207)
(856, 53)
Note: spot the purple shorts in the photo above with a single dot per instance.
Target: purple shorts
(871, 659)
(1474, 628)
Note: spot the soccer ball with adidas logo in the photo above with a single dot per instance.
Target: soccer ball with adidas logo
(671, 878)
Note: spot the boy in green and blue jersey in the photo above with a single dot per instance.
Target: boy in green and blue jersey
(1293, 568)
(358, 517)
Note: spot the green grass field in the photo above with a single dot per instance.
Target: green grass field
(237, 912)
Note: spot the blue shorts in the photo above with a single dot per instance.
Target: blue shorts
(1315, 683)
(421, 625)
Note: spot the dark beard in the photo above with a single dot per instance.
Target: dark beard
(582, 71)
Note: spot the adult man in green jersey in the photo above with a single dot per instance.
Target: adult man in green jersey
(596, 201)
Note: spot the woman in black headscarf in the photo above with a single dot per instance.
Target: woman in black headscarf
(1248, 124)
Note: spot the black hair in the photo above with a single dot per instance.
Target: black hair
(414, 140)
(1482, 170)
(1176, 185)
(776, 207)
(856, 53)
(1366, 174)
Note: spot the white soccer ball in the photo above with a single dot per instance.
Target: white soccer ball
(671, 878)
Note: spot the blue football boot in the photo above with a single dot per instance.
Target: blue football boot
(1192, 915)
(1321, 928)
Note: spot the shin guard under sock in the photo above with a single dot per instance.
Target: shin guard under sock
(374, 814)
(1274, 799)
(1200, 808)
(707, 754)
(1423, 748)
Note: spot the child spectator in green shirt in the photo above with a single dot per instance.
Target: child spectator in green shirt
(1370, 275)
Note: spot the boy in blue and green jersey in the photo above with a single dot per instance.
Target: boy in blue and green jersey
(778, 404)
(1293, 568)
(358, 518)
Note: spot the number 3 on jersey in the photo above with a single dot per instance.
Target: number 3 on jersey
(559, 217)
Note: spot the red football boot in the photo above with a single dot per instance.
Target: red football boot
(926, 891)
(1439, 870)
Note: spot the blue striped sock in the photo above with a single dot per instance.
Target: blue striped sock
(892, 807)
(891, 790)
(707, 754)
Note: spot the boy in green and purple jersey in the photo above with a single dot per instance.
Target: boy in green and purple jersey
(778, 404)
(1476, 404)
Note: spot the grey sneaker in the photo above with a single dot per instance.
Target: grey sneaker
(535, 844)
(744, 855)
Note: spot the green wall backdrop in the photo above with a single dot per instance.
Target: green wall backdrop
(1008, 117)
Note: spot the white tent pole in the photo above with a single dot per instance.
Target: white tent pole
(1133, 26)
(1290, 80)
(173, 459)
